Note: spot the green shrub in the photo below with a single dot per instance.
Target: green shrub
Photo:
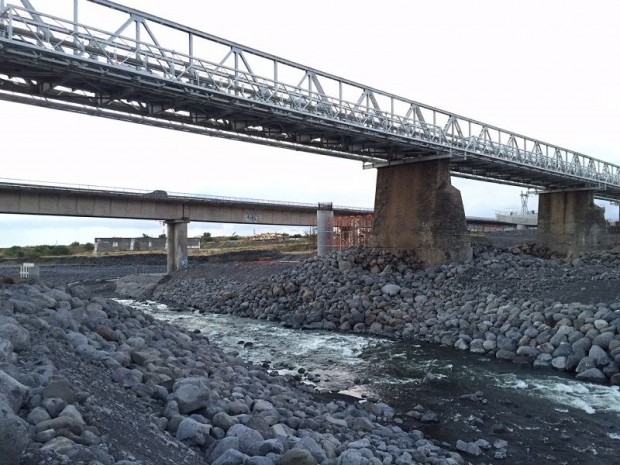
(14, 252)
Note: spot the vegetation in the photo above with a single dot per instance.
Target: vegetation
(300, 243)
(38, 251)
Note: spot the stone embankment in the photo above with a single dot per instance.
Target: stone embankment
(87, 380)
(558, 313)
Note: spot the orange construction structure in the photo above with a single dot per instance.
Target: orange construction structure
(352, 231)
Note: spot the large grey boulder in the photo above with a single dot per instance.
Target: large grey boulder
(309, 444)
(16, 335)
(59, 388)
(193, 431)
(224, 421)
(222, 446)
(12, 391)
(14, 436)
(127, 378)
(599, 355)
(6, 351)
(297, 457)
(593, 375)
(231, 457)
(191, 394)
(391, 289)
(354, 457)
(247, 436)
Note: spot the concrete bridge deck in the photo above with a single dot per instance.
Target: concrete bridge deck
(58, 200)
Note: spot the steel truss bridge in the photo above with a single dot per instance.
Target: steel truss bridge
(153, 71)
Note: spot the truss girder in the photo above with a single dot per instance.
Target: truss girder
(133, 72)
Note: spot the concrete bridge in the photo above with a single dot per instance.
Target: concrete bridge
(134, 71)
(175, 209)
(178, 209)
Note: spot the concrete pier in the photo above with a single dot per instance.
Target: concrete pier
(324, 229)
(569, 222)
(176, 244)
(417, 208)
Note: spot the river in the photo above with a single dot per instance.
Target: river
(546, 416)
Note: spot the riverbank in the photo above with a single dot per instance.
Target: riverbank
(88, 379)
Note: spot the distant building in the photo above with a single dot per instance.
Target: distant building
(523, 220)
(123, 244)
(269, 237)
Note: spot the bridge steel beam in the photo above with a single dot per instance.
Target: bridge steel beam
(569, 222)
(176, 242)
(417, 208)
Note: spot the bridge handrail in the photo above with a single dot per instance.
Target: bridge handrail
(355, 105)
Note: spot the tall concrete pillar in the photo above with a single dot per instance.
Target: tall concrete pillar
(325, 229)
(176, 242)
(569, 222)
(417, 208)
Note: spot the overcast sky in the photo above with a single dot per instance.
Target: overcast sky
(547, 69)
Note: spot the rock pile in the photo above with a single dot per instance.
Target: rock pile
(504, 303)
(87, 380)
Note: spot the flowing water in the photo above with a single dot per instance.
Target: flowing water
(545, 415)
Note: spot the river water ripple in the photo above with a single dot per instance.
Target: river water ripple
(343, 360)
(550, 406)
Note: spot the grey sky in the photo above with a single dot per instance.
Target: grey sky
(546, 69)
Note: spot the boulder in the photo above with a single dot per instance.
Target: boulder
(594, 375)
(6, 351)
(224, 421)
(12, 391)
(391, 289)
(231, 457)
(191, 394)
(14, 436)
(222, 446)
(193, 431)
(59, 388)
(127, 378)
(16, 335)
(599, 356)
(297, 457)
(247, 436)
(309, 444)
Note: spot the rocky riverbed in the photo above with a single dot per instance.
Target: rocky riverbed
(562, 314)
(88, 380)
(84, 379)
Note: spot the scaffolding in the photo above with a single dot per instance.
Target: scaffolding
(352, 231)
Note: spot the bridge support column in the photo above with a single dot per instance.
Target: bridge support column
(569, 222)
(176, 242)
(417, 208)
(325, 229)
